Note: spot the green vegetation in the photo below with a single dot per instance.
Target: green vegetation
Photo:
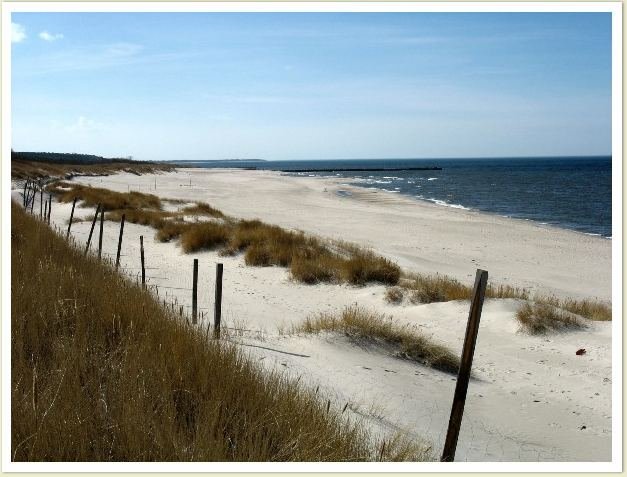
(101, 372)
(366, 326)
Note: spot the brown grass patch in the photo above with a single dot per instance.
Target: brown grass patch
(171, 229)
(394, 295)
(153, 218)
(92, 196)
(541, 318)
(591, 309)
(204, 236)
(101, 372)
(202, 208)
(364, 266)
(361, 324)
(39, 169)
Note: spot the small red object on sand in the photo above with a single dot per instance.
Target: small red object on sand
(580, 351)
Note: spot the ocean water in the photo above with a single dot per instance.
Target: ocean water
(573, 193)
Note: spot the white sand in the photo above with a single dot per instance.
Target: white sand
(420, 236)
(531, 396)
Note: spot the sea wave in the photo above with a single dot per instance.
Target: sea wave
(446, 204)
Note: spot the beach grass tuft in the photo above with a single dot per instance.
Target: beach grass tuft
(110, 200)
(541, 318)
(368, 326)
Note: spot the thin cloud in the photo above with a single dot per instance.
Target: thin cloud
(44, 35)
(18, 33)
(82, 125)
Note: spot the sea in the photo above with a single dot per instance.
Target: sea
(569, 192)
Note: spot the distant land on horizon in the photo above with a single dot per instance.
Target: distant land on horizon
(79, 158)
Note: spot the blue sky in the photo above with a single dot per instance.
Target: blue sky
(300, 86)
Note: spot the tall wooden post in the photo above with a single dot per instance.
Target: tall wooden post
(195, 293)
(45, 210)
(91, 231)
(141, 251)
(101, 230)
(117, 258)
(217, 310)
(69, 226)
(49, 206)
(463, 377)
(32, 202)
(41, 201)
(24, 193)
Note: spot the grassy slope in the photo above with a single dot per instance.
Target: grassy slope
(38, 169)
(100, 372)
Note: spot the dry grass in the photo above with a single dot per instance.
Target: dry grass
(309, 259)
(171, 229)
(201, 208)
(153, 218)
(394, 295)
(438, 288)
(364, 266)
(364, 325)
(39, 169)
(101, 372)
(204, 236)
(111, 200)
(593, 310)
(541, 318)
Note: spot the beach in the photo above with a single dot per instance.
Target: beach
(531, 397)
(418, 235)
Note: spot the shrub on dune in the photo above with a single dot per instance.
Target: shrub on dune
(364, 266)
(204, 236)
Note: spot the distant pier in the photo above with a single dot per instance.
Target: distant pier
(365, 169)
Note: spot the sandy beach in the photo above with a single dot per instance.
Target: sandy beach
(532, 398)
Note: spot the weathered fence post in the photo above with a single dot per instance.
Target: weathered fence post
(91, 231)
(141, 251)
(49, 206)
(69, 226)
(24, 194)
(217, 310)
(195, 293)
(45, 211)
(117, 258)
(41, 200)
(32, 202)
(101, 230)
(463, 377)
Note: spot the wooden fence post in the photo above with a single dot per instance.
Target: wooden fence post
(24, 194)
(195, 293)
(463, 377)
(49, 206)
(45, 211)
(69, 226)
(91, 231)
(141, 251)
(217, 310)
(117, 258)
(32, 202)
(101, 230)
(41, 201)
